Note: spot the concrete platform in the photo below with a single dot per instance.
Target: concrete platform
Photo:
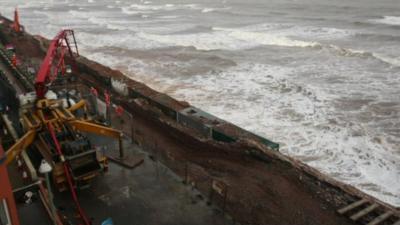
(150, 194)
(33, 214)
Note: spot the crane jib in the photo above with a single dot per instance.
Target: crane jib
(49, 68)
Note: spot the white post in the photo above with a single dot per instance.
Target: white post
(45, 169)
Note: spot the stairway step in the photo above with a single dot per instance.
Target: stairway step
(352, 206)
(364, 212)
(381, 218)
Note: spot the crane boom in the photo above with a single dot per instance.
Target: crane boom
(49, 68)
(16, 25)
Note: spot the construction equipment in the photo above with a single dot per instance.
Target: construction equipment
(56, 133)
(16, 25)
(50, 69)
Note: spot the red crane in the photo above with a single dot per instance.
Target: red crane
(16, 25)
(54, 64)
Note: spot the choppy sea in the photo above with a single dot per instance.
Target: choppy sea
(320, 77)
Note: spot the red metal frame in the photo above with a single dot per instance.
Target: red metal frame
(50, 68)
(6, 190)
(81, 212)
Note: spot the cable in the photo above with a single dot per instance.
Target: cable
(68, 175)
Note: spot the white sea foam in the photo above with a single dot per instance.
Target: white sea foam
(300, 121)
(242, 38)
(129, 11)
(128, 41)
(230, 39)
(266, 100)
(270, 39)
(348, 52)
(202, 41)
(296, 105)
(148, 6)
(395, 61)
(389, 20)
(207, 10)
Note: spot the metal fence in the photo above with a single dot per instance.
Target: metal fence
(214, 192)
(193, 122)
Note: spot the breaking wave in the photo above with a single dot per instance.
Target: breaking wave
(285, 107)
(305, 100)
(165, 7)
(388, 20)
(207, 10)
(269, 39)
(129, 11)
(347, 52)
(227, 40)
(236, 39)
(387, 59)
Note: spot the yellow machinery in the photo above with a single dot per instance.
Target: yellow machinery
(56, 133)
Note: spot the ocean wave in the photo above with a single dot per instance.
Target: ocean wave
(388, 20)
(165, 7)
(146, 7)
(31, 4)
(387, 59)
(201, 41)
(129, 11)
(295, 31)
(378, 37)
(219, 38)
(207, 10)
(271, 39)
(269, 101)
(227, 40)
(348, 52)
(124, 40)
(236, 39)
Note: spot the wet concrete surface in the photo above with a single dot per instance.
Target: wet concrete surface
(149, 194)
(33, 214)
